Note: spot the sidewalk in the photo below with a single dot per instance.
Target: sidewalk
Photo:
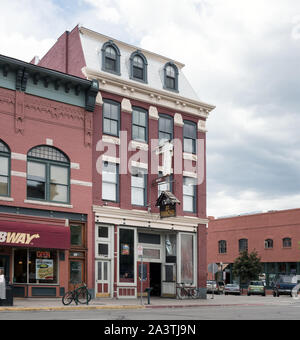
(35, 304)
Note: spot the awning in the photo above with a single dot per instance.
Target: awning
(34, 235)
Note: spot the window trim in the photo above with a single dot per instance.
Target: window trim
(7, 154)
(140, 109)
(112, 102)
(194, 139)
(145, 67)
(48, 163)
(175, 89)
(111, 44)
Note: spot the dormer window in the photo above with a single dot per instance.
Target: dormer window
(111, 58)
(139, 65)
(171, 77)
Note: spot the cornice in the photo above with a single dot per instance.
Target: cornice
(141, 218)
(152, 96)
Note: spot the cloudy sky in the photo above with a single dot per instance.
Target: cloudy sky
(242, 56)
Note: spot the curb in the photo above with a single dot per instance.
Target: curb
(33, 309)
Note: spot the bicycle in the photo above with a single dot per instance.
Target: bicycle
(78, 295)
(184, 292)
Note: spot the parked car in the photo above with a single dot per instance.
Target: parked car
(284, 285)
(256, 288)
(232, 288)
(213, 287)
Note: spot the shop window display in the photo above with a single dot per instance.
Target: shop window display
(35, 266)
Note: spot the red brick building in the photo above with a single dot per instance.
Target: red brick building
(275, 235)
(46, 221)
(145, 102)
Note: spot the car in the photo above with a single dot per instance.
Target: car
(284, 285)
(212, 287)
(256, 288)
(232, 288)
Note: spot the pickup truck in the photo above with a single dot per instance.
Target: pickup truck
(284, 285)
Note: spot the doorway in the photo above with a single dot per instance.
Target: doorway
(4, 263)
(155, 279)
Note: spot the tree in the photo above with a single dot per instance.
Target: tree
(247, 266)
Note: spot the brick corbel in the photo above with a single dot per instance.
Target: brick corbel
(19, 112)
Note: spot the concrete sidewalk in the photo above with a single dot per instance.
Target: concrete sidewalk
(35, 304)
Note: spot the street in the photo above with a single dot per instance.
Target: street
(229, 308)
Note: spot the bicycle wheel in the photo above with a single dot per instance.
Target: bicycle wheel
(179, 293)
(193, 293)
(68, 298)
(83, 296)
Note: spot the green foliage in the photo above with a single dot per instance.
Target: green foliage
(247, 266)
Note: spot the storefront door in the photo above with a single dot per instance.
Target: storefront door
(77, 272)
(4, 263)
(102, 278)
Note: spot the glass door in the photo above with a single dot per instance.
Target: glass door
(103, 278)
(77, 272)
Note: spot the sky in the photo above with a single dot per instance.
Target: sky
(241, 56)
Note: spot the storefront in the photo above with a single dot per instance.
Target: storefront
(33, 256)
(168, 257)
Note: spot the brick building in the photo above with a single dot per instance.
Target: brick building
(275, 235)
(148, 139)
(46, 222)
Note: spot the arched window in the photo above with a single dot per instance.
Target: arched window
(138, 67)
(243, 244)
(111, 58)
(4, 169)
(48, 175)
(171, 77)
(268, 244)
(287, 242)
(222, 247)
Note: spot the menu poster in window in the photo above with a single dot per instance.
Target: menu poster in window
(44, 269)
(125, 249)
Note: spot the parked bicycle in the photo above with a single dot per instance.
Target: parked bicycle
(184, 292)
(78, 295)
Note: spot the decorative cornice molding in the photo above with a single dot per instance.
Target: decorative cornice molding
(132, 90)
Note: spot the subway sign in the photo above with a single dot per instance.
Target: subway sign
(13, 238)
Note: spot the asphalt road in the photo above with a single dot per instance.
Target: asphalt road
(280, 309)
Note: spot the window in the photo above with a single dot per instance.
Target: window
(138, 64)
(138, 187)
(48, 175)
(111, 118)
(166, 185)
(222, 247)
(103, 249)
(243, 244)
(287, 242)
(4, 169)
(35, 266)
(268, 244)
(171, 77)
(126, 255)
(110, 182)
(77, 237)
(102, 232)
(139, 125)
(189, 137)
(165, 126)
(149, 238)
(189, 194)
(111, 58)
